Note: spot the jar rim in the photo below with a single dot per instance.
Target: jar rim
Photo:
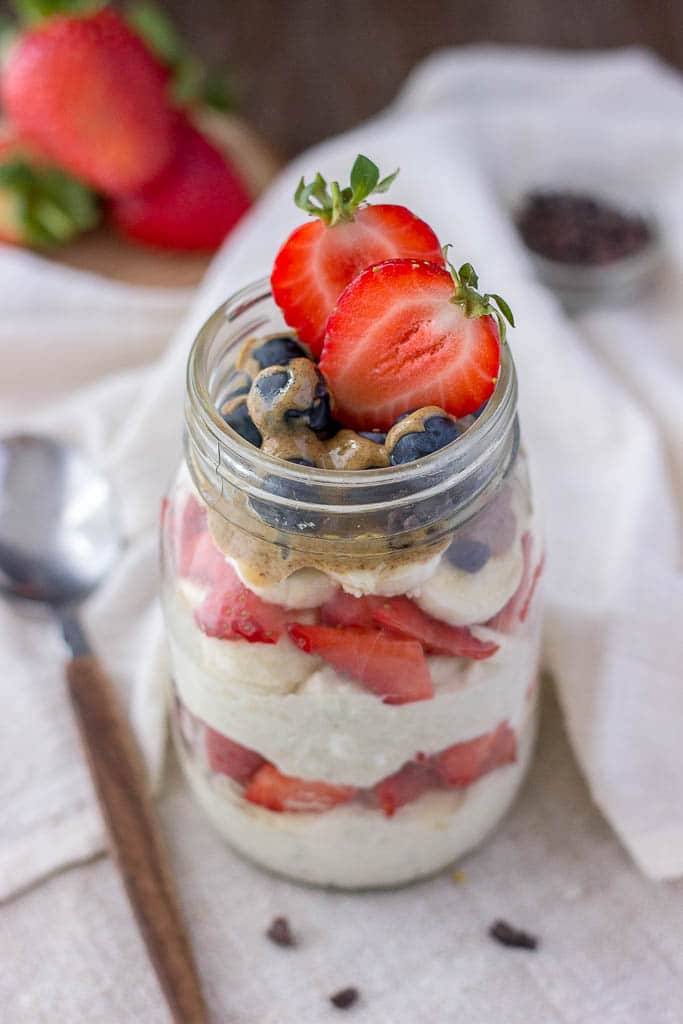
(237, 458)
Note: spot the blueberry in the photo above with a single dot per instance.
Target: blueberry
(468, 554)
(378, 436)
(271, 386)
(438, 431)
(290, 520)
(237, 416)
(278, 352)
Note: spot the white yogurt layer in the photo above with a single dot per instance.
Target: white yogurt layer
(357, 847)
(330, 728)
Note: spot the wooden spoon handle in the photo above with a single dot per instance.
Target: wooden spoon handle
(119, 776)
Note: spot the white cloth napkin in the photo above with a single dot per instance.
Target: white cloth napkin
(600, 402)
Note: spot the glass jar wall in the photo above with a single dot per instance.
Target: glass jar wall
(354, 654)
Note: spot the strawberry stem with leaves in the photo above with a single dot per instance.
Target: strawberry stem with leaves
(472, 302)
(333, 203)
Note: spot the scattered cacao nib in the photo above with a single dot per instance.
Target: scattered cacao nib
(280, 933)
(571, 227)
(344, 998)
(507, 935)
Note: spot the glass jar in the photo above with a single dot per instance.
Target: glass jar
(393, 746)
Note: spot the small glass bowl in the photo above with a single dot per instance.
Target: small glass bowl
(580, 286)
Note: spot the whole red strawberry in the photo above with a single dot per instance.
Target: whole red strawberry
(321, 257)
(87, 91)
(192, 204)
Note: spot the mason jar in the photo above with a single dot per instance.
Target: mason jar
(377, 761)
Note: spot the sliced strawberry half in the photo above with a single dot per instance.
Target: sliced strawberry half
(320, 258)
(394, 669)
(278, 792)
(406, 334)
(404, 786)
(403, 616)
(229, 758)
(464, 763)
(230, 611)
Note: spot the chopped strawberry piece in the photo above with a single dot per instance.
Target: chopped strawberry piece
(517, 608)
(278, 792)
(464, 763)
(345, 610)
(394, 669)
(404, 786)
(230, 611)
(207, 565)
(229, 758)
(403, 616)
(407, 333)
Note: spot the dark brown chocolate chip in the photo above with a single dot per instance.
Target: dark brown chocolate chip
(507, 935)
(280, 933)
(344, 998)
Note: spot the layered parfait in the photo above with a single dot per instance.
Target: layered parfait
(357, 714)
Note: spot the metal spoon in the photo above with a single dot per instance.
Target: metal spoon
(59, 538)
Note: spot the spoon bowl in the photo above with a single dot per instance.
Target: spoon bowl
(59, 531)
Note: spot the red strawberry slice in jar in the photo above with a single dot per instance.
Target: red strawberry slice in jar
(346, 610)
(321, 257)
(404, 786)
(230, 611)
(395, 669)
(408, 333)
(226, 757)
(464, 763)
(270, 788)
(402, 616)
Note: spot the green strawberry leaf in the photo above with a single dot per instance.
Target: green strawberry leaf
(52, 207)
(333, 203)
(472, 303)
(30, 12)
(190, 81)
(364, 178)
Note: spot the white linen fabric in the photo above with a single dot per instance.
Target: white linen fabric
(600, 402)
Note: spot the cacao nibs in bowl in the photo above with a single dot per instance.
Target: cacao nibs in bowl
(580, 229)
(508, 935)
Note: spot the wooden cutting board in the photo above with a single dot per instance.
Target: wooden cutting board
(106, 253)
